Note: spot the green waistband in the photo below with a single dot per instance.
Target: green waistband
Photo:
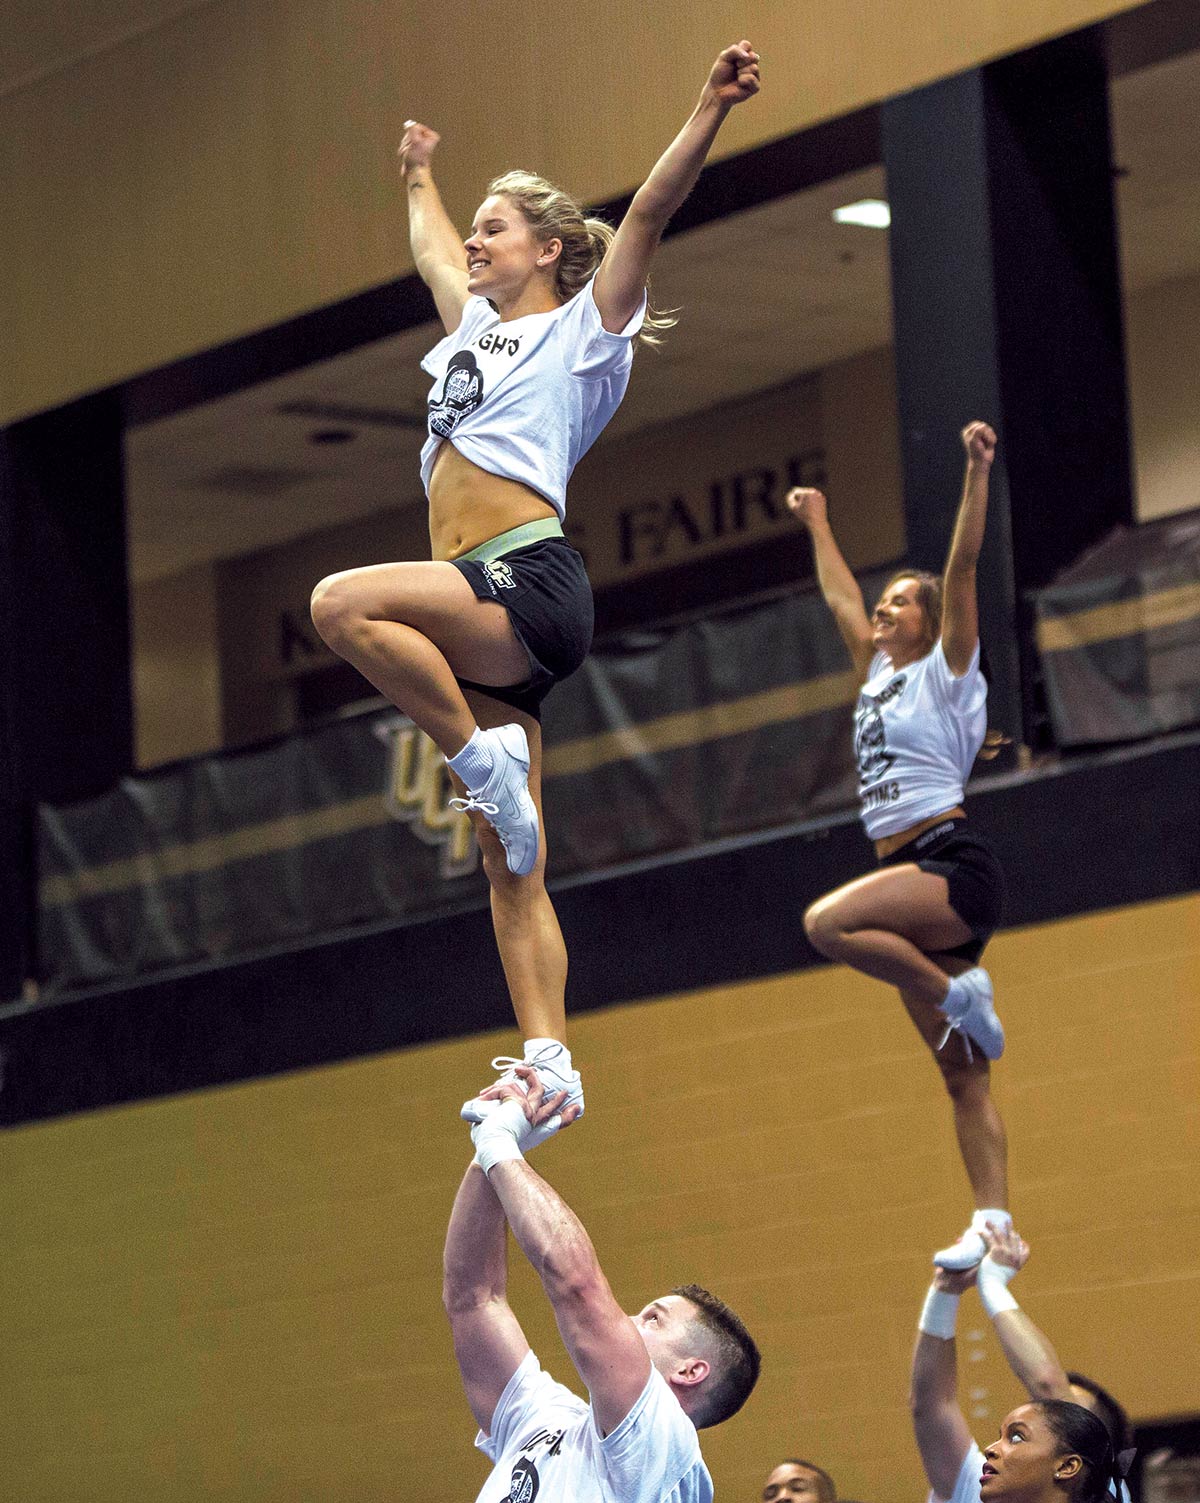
(515, 537)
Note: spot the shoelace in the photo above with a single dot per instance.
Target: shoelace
(966, 1038)
(465, 805)
(506, 1062)
(489, 810)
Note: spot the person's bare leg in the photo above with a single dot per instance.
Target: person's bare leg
(528, 936)
(410, 629)
(894, 925)
(982, 1140)
(885, 923)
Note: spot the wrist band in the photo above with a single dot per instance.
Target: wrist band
(939, 1313)
(992, 1281)
(495, 1148)
(498, 1137)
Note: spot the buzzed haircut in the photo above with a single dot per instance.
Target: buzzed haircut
(826, 1486)
(735, 1371)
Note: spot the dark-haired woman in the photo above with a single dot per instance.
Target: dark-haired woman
(922, 920)
(1062, 1420)
(1049, 1451)
(541, 307)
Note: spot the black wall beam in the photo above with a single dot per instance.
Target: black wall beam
(1007, 293)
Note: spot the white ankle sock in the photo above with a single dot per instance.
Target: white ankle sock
(474, 763)
(997, 1217)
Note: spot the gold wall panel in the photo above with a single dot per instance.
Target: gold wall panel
(234, 166)
(235, 1294)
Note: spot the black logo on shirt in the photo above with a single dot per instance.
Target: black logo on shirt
(870, 736)
(462, 392)
(525, 1482)
(497, 344)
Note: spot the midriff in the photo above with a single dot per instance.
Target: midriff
(892, 843)
(467, 505)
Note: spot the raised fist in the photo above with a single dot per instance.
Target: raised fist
(734, 75)
(980, 443)
(806, 504)
(416, 145)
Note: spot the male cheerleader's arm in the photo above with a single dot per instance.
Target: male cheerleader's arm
(838, 585)
(1026, 1348)
(939, 1425)
(960, 608)
(621, 280)
(438, 251)
(488, 1341)
(601, 1339)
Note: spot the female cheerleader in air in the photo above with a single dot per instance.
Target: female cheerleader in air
(922, 920)
(541, 308)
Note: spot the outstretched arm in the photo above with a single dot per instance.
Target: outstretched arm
(621, 280)
(1026, 1348)
(602, 1340)
(960, 608)
(438, 251)
(939, 1425)
(838, 584)
(488, 1341)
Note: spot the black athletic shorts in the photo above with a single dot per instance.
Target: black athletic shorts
(544, 587)
(972, 873)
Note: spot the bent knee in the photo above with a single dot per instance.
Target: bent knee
(821, 927)
(332, 609)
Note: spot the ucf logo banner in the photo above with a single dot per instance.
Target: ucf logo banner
(738, 722)
(417, 793)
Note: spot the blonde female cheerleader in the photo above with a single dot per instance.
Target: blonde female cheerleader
(922, 920)
(541, 308)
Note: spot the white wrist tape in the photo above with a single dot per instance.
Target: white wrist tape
(939, 1313)
(993, 1280)
(498, 1137)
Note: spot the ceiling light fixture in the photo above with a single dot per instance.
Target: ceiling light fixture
(871, 212)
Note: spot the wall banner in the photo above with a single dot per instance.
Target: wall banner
(664, 740)
(1119, 636)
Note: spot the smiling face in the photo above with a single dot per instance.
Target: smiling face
(1028, 1461)
(502, 255)
(793, 1482)
(900, 625)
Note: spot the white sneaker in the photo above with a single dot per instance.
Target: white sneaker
(970, 1249)
(971, 1013)
(505, 801)
(968, 1252)
(549, 1062)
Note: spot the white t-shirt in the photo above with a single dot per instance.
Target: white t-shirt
(546, 1444)
(917, 731)
(528, 398)
(966, 1486)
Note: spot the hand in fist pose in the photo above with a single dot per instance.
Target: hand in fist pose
(980, 443)
(416, 145)
(734, 77)
(806, 505)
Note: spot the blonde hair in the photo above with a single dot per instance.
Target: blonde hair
(554, 215)
(929, 598)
